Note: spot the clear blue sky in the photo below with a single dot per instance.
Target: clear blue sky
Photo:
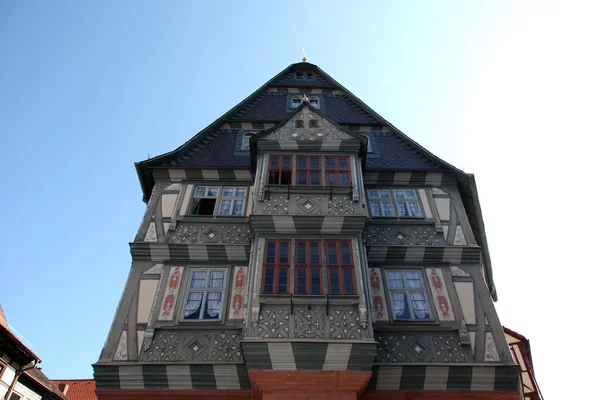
(505, 90)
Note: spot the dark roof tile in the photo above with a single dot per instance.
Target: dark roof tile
(345, 111)
(218, 151)
(291, 80)
(269, 106)
(395, 154)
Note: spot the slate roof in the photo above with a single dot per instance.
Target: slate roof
(345, 111)
(217, 151)
(267, 107)
(394, 153)
(289, 79)
(79, 389)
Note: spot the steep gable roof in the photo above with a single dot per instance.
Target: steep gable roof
(78, 389)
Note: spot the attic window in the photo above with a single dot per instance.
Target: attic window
(313, 123)
(299, 123)
(314, 101)
(296, 101)
(246, 141)
(310, 76)
(299, 75)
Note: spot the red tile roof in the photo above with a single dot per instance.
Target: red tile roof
(79, 389)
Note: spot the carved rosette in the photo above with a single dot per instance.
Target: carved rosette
(440, 294)
(170, 298)
(309, 323)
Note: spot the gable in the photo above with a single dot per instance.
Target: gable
(325, 129)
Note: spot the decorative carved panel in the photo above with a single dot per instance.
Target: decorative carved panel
(308, 205)
(273, 323)
(420, 347)
(341, 205)
(236, 308)
(275, 205)
(441, 300)
(210, 233)
(406, 235)
(197, 347)
(309, 323)
(325, 131)
(380, 312)
(344, 324)
(170, 298)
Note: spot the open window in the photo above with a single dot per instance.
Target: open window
(280, 170)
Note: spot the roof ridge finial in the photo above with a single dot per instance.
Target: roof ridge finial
(303, 53)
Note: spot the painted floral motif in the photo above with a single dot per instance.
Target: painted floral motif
(170, 298)
(442, 304)
(379, 311)
(237, 295)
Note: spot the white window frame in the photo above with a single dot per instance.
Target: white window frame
(407, 290)
(296, 98)
(205, 290)
(316, 99)
(392, 198)
(219, 198)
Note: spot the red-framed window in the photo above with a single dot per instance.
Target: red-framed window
(340, 268)
(276, 267)
(280, 170)
(308, 268)
(313, 123)
(308, 170)
(337, 171)
(299, 123)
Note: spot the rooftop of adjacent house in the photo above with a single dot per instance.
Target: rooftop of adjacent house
(77, 389)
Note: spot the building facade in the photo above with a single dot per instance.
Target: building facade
(303, 247)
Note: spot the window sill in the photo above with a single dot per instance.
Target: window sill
(415, 326)
(400, 221)
(212, 218)
(309, 299)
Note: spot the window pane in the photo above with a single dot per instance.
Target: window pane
(269, 279)
(415, 210)
(331, 254)
(193, 305)
(345, 252)
(334, 281)
(271, 252)
(314, 163)
(399, 194)
(348, 281)
(413, 279)
(410, 194)
(227, 191)
(330, 163)
(301, 287)
(388, 209)
(373, 194)
(402, 212)
(315, 178)
(301, 256)
(384, 194)
(199, 192)
(198, 279)
(238, 207)
(274, 162)
(344, 179)
(395, 280)
(301, 178)
(240, 192)
(287, 163)
(213, 305)
(301, 162)
(283, 252)
(375, 209)
(315, 281)
(283, 280)
(225, 206)
(400, 308)
(419, 305)
(299, 124)
(217, 279)
(213, 192)
(314, 253)
(343, 164)
(331, 179)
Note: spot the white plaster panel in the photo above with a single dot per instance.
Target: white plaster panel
(337, 356)
(250, 201)
(425, 201)
(235, 252)
(179, 377)
(176, 174)
(483, 378)
(284, 224)
(226, 376)
(168, 204)
(452, 255)
(25, 392)
(443, 207)
(436, 378)
(473, 335)
(332, 224)
(140, 340)
(491, 353)
(402, 178)
(445, 228)
(166, 227)
(242, 175)
(210, 174)
(186, 199)
(159, 252)
(131, 377)
(198, 253)
(331, 145)
(433, 178)
(121, 352)
(8, 375)
(151, 233)
(145, 299)
(415, 254)
(459, 237)
(247, 125)
(466, 297)
(282, 356)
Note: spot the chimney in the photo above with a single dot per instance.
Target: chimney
(63, 387)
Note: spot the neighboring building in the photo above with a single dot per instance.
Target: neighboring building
(77, 389)
(521, 354)
(20, 378)
(303, 247)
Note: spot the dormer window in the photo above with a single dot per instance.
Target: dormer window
(310, 76)
(296, 101)
(299, 75)
(299, 123)
(314, 101)
(246, 141)
(313, 123)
